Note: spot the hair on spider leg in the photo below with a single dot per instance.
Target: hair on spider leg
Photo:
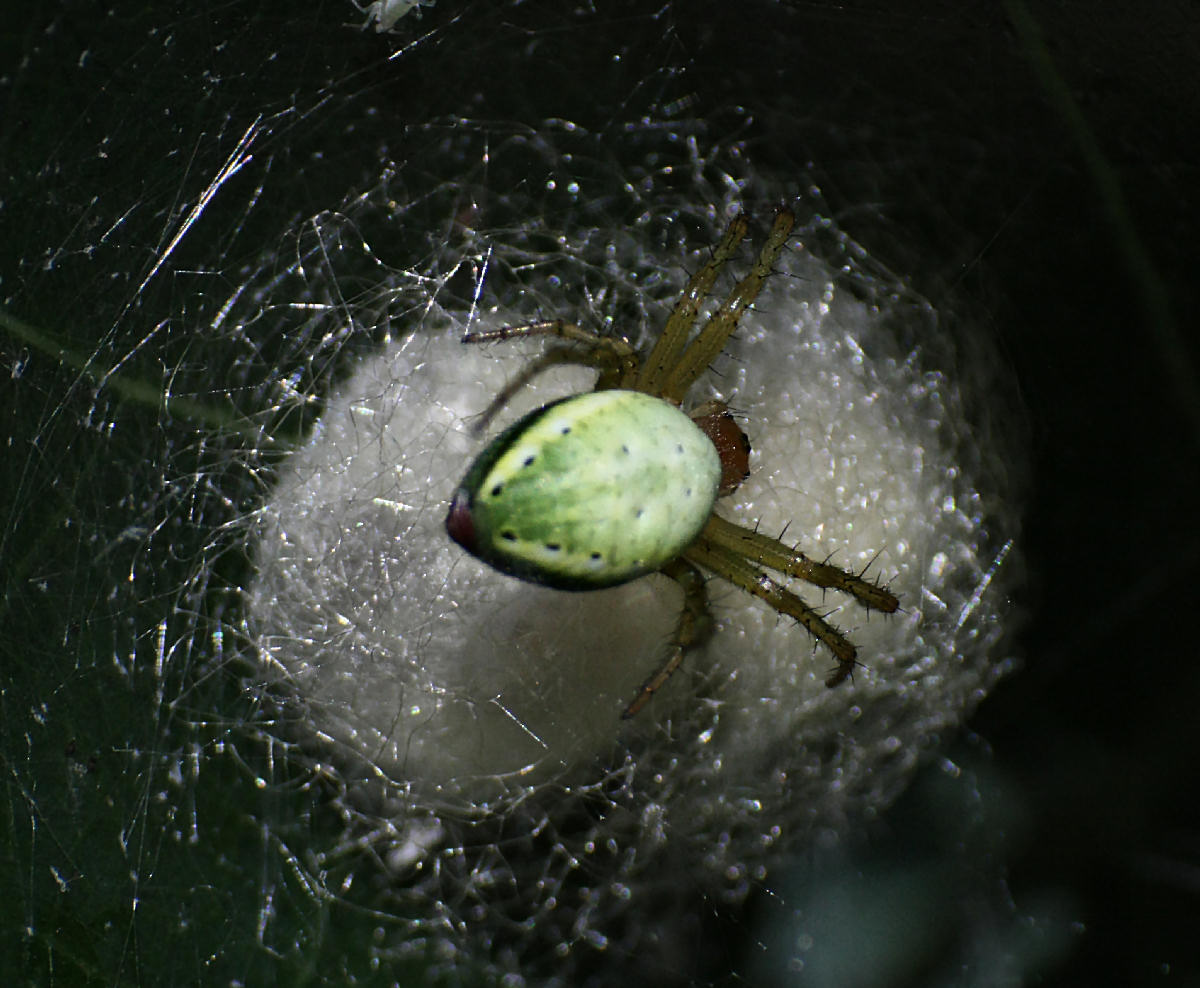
(882, 586)
(844, 652)
(870, 562)
(842, 673)
(782, 532)
(722, 374)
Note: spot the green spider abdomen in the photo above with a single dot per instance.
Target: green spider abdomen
(587, 492)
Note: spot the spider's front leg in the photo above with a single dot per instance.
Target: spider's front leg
(693, 627)
(613, 356)
(711, 339)
(674, 337)
(620, 352)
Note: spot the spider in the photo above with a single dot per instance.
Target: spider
(603, 487)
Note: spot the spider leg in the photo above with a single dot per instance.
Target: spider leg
(711, 340)
(738, 570)
(551, 358)
(692, 628)
(622, 350)
(674, 337)
(775, 555)
(614, 357)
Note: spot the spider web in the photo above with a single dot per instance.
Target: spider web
(236, 400)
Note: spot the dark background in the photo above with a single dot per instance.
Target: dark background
(1033, 171)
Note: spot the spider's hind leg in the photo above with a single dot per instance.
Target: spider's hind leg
(739, 571)
(773, 554)
(693, 627)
